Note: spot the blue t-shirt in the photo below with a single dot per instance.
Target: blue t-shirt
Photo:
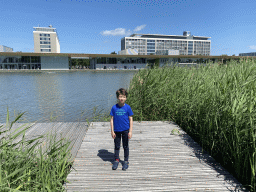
(121, 117)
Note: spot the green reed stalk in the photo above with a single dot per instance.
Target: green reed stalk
(22, 168)
(215, 104)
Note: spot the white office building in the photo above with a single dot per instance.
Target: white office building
(5, 49)
(186, 44)
(46, 40)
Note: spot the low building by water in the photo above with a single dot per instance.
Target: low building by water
(62, 61)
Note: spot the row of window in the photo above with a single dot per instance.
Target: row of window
(44, 35)
(136, 40)
(45, 46)
(45, 38)
(104, 60)
(45, 50)
(45, 42)
(168, 41)
(23, 59)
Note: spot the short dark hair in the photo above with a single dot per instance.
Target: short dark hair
(121, 91)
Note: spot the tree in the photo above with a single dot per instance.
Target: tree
(113, 52)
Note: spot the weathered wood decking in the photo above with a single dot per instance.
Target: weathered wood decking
(73, 131)
(159, 161)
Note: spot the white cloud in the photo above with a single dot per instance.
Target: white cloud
(252, 46)
(122, 31)
(139, 28)
(117, 32)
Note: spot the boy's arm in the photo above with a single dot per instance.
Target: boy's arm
(131, 124)
(112, 127)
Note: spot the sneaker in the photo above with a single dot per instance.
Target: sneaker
(125, 165)
(115, 164)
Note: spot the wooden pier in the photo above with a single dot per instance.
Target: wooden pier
(162, 158)
(73, 131)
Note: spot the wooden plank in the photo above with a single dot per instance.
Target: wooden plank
(60, 129)
(159, 161)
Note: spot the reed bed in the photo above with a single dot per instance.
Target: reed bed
(25, 167)
(30, 165)
(214, 104)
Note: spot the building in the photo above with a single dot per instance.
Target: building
(62, 61)
(5, 49)
(248, 54)
(168, 52)
(152, 44)
(46, 40)
(35, 61)
(128, 52)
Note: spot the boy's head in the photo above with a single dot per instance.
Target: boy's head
(121, 95)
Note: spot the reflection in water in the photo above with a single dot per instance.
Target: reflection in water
(49, 96)
(68, 96)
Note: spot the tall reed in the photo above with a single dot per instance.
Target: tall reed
(215, 104)
(29, 166)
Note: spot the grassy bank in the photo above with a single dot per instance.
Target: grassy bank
(214, 104)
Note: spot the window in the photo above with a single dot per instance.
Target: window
(45, 42)
(44, 38)
(44, 35)
(45, 50)
(45, 46)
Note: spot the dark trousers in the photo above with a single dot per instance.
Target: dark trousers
(117, 140)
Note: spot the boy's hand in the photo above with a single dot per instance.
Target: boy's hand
(129, 135)
(113, 134)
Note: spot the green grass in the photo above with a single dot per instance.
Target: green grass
(214, 104)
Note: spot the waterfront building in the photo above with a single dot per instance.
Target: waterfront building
(46, 40)
(62, 61)
(34, 61)
(248, 54)
(5, 49)
(128, 52)
(154, 44)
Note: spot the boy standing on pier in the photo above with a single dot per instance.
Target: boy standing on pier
(121, 127)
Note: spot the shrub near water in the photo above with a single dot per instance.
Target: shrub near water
(215, 104)
(24, 168)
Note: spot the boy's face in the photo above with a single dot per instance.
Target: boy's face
(121, 99)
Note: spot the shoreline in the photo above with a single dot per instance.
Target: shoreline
(69, 70)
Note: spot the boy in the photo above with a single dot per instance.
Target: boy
(121, 126)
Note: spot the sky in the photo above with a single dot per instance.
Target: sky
(97, 26)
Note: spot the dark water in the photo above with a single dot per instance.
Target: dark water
(68, 96)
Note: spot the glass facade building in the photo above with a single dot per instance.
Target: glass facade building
(248, 54)
(20, 62)
(186, 44)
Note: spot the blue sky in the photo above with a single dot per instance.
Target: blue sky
(97, 26)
